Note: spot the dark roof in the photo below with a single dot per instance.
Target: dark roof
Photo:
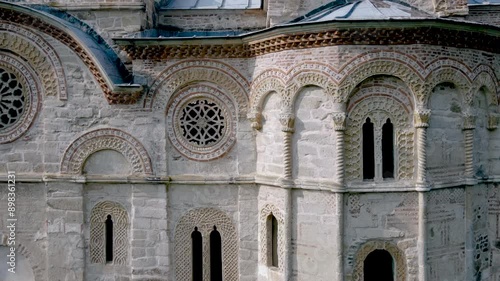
(213, 4)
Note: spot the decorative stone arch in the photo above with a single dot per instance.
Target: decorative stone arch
(381, 63)
(265, 212)
(205, 219)
(186, 72)
(38, 53)
(451, 75)
(56, 28)
(389, 106)
(26, 253)
(270, 81)
(101, 139)
(484, 79)
(370, 246)
(303, 79)
(121, 227)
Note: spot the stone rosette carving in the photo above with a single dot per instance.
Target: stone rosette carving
(19, 97)
(205, 219)
(201, 123)
(102, 139)
(121, 227)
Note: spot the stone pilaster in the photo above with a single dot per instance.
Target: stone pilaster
(468, 128)
(339, 119)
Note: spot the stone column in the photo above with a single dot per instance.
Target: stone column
(421, 123)
(339, 119)
(287, 121)
(468, 128)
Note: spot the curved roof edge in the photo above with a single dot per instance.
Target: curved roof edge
(89, 45)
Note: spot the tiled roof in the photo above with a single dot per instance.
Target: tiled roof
(213, 4)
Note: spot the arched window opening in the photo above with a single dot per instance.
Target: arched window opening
(109, 239)
(197, 241)
(378, 266)
(272, 243)
(368, 150)
(387, 150)
(215, 256)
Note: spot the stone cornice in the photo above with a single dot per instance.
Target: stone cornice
(403, 32)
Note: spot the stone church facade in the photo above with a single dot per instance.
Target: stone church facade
(250, 140)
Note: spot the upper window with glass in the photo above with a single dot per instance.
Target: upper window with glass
(214, 4)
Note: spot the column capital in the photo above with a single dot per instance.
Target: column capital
(421, 118)
(256, 119)
(492, 121)
(339, 119)
(469, 121)
(287, 121)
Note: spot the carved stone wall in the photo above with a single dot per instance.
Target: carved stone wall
(400, 266)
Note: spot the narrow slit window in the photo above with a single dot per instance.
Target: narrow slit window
(368, 151)
(197, 255)
(378, 266)
(274, 241)
(109, 239)
(215, 256)
(387, 150)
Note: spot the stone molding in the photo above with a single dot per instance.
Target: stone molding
(65, 38)
(101, 139)
(205, 219)
(40, 55)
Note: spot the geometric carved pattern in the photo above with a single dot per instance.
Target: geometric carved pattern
(77, 153)
(265, 239)
(370, 246)
(38, 53)
(19, 98)
(181, 74)
(120, 220)
(201, 122)
(379, 108)
(205, 219)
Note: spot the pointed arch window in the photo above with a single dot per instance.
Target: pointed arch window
(109, 239)
(197, 241)
(387, 150)
(272, 240)
(368, 150)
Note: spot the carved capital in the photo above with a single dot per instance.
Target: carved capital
(339, 121)
(492, 121)
(256, 119)
(287, 121)
(469, 121)
(421, 118)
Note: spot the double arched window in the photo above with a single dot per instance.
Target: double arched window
(215, 255)
(378, 150)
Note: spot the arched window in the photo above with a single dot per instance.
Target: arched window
(197, 255)
(109, 239)
(272, 241)
(215, 256)
(378, 266)
(368, 150)
(109, 228)
(387, 150)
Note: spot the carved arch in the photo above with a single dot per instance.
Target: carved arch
(270, 209)
(186, 72)
(38, 53)
(306, 78)
(121, 228)
(397, 254)
(484, 79)
(205, 219)
(365, 69)
(450, 75)
(80, 149)
(270, 81)
(38, 271)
